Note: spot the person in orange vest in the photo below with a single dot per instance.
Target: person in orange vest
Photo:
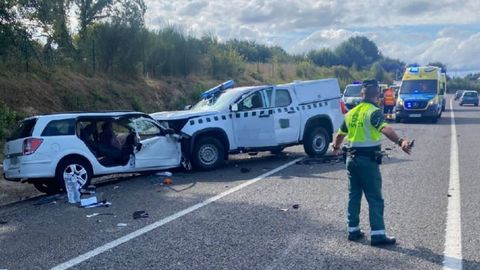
(388, 102)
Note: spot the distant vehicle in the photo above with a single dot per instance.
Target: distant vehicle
(443, 90)
(458, 94)
(47, 150)
(351, 96)
(231, 120)
(469, 97)
(420, 94)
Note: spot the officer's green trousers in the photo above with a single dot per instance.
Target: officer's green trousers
(364, 177)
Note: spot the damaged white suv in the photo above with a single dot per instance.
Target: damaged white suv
(261, 118)
(46, 150)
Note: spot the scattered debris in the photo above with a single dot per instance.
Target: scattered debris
(253, 153)
(122, 225)
(140, 214)
(48, 200)
(103, 203)
(167, 181)
(99, 214)
(296, 206)
(449, 195)
(88, 201)
(321, 160)
(115, 187)
(164, 174)
(3, 222)
(284, 209)
(245, 170)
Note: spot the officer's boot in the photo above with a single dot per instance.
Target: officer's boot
(382, 240)
(356, 235)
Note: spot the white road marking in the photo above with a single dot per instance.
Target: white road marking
(452, 256)
(159, 223)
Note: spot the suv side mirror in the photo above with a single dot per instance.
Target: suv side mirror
(188, 107)
(234, 107)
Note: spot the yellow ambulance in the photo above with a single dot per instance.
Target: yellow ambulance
(421, 94)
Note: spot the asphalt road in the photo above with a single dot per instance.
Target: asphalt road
(244, 226)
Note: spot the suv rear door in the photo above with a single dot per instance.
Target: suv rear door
(14, 145)
(158, 150)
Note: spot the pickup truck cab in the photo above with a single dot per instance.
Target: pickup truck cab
(231, 120)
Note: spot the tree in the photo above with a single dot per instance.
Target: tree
(441, 65)
(359, 50)
(90, 11)
(323, 57)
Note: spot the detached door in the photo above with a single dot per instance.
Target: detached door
(158, 150)
(253, 124)
(287, 118)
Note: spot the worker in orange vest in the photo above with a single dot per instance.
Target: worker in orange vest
(388, 103)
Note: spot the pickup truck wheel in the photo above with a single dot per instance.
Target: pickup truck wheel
(73, 167)
(208, 154)
(48, 187)
(316, 142)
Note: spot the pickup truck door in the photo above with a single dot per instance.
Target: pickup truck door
(158, 150)
(287, 117)
(253, 123)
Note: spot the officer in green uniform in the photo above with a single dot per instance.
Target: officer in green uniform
(363, 127)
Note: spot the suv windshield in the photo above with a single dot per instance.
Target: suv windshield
(216, 102)
(23, 129)
(353, 90)
(419, 87)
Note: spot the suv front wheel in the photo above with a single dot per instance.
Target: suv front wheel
(208, 154)
(316, 141)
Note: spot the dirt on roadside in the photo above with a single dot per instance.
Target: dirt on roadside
(11, 192)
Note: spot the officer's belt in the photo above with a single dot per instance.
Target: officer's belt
(364, 151)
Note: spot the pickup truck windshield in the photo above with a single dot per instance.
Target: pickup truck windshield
(217, 102)
(353, 91)
(419, 87)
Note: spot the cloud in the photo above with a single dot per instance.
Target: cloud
(414, 30)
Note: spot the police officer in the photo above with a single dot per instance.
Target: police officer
(363, 127)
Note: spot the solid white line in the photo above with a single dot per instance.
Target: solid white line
(452, 256)
(159, 223)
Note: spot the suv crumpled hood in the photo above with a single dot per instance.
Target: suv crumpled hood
(178, 115)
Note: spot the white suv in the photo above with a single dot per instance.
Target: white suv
(261, 118)
(46, 150)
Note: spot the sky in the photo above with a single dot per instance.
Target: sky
(410, 30)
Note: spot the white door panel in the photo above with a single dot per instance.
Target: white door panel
(159, 151)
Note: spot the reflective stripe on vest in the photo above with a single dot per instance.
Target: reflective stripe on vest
(361, 133)
(389, 100)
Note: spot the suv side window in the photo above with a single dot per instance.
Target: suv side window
(60, 128)
(252, 102)
(146, 129)
(282, 98)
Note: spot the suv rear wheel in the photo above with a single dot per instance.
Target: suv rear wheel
(316, 141)
(208, 154)
(77, 168)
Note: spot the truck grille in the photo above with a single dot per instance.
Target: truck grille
(416, 104)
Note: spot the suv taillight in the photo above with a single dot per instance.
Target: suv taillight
(31, 145)
(343, 106)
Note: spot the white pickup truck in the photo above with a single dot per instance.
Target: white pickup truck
(231, 120)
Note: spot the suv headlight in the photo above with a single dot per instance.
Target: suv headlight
(432, 102)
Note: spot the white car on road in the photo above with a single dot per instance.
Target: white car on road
(260, 118)
(46, 150)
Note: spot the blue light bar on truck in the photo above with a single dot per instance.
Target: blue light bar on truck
(217, 89)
